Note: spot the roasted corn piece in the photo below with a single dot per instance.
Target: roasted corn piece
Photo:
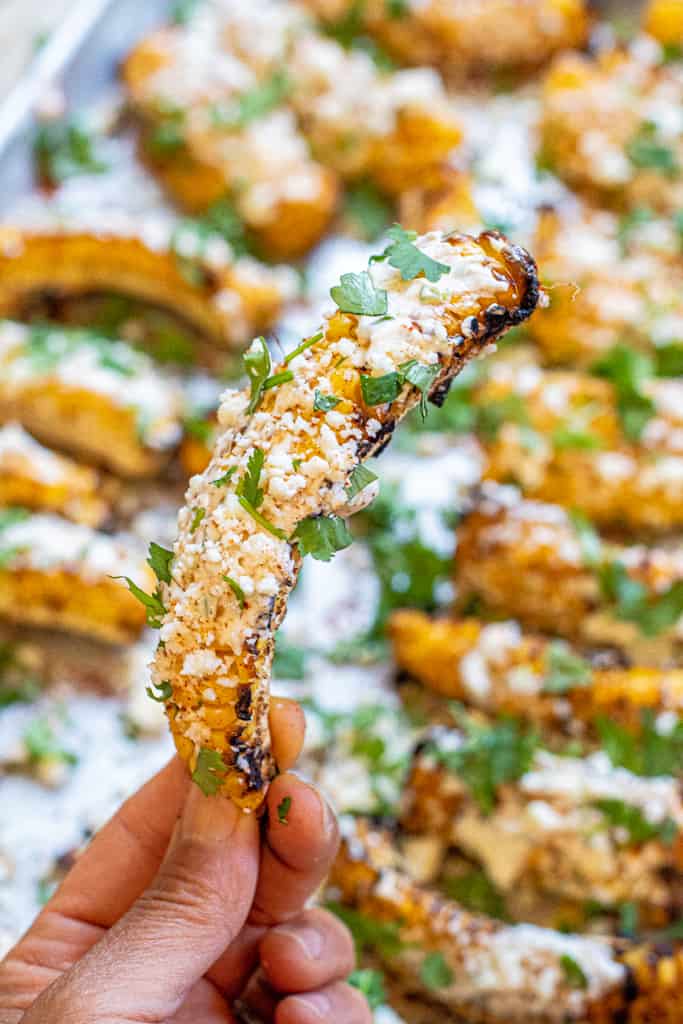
(663, 19)
(216, 129)
(537, 563)
(451, 207)
(606, 129)
(487, 972)
(570, 438)
(35, 477)
(288, 462)
(98, 398)
(58, 574)
(163, 261)
(570, 827)
(467, 38)
(499, 669)
(610, 280)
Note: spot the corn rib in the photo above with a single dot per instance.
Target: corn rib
(295, 469)
(663, 19)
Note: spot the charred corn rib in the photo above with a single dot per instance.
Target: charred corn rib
(663, 19)
(161, 261)
(57, 574)
(555, 825)
(216, 128)
(286, 464)
(464, 37)
(500, 670)
(35, 477)
(534, 562)
(95, 397)
(601, 130)
(493, 973)
(565, 442)
(611, 280)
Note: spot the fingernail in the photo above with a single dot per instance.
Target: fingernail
(309, 939)
(210, 818)
(317, 1002)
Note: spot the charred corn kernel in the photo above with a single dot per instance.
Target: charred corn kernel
(489, 971)
(535, 830)
(604, 132)
(161, 260)
(87, 394)
(501, 670)
(565, 442)
(468, 38)
(283, 472)
(449, 208)
(534, 562)
(664, 20)
(35, 477)
(57, 574)
(611, 280)
(215, 127)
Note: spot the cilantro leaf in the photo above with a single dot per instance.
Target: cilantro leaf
(248, 487)
(42, 744)
(475, 891)
(237, 591)
(305, 344)
(183, 10)
(405, 256)
(379, 390)
(164, 692)
(359, 479)
(261, 519)
(153, 604)
(435, 972)
(382, 937)
(324, 403)
(371, 984)
(198, 515)
(632, 820)
(160, 562)
(357, 294)
(66, 148)
(651, 751)
(254, 104)
(647, 151)
(210, 771)
(421, 377)
(221, 481)
(564, 670)
(367, 210)
(653, 613)
(568, 438)
(322, 536)
(628, 370)
(257, 367)
(573, 973)
(588, 538)
(283, 809)
(278, 378)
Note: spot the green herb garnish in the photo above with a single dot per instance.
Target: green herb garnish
(198, 514)
(357, 294)
(159, 561)
(66, 148)
(628, 370)
(367, 210)
(359, 479)
(42, 744)
(164, 692)
(248, 487)
(322, 536)
(435, 972)
(210, 771)
(237, 591)
(257, 365)
(647, 152)
(283, 809)
(475, 891)
(222, 481)
(324, 403)
(289, 661)
(564, 671)
(632, 820)
(253, 105)
(152, 603)
(305, 344)
(421, 377)
(573, 973)
(649, 751)
(371, 984)
(382, 937)
(380, 390)
(405, 256)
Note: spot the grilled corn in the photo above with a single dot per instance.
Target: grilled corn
(663, 19)
(97, 398)
(287, 464)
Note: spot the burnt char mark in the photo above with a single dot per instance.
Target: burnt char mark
(243, 703)
(523, 262)
(377, 444)
(440, 393)
(249, 760)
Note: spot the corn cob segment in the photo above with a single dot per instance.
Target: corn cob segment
(192, 95)
(58, 575)
(464, 37)
(501, 670)
(535, 562)
(555, 825)
(95, 397)
(161, 261)
(568, 444)
(35, 477)
(286, 465)
(663, 19)
(602, 129)
(493, 973)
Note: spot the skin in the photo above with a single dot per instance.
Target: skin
(183, 905)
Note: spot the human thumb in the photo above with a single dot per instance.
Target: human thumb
(145, 965)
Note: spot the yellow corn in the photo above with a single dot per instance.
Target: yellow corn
(663, 19)
(284, 471)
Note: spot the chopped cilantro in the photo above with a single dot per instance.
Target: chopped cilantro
(45, 890)
(222, 481)
(257, 366)
(476, 892)
(198, 427)
(509, 409)
(669, 360)
(66, 148)
(223, 219)
(253, 105)
(405, 256)
(164, 692)
(153, 604)
(183, 10)
(646, 151)
(248, 487)
(628, 370)
(324, 403)
(261, 519)
(371, 984)
(305, 344)
(574, 439)
(360, 478)
(629, 920)
(367, 210)
(42, 744)
(237, 591)
(647, 751)
(16, 685)
(632, 820)
(421, 377)
(283, 377)
(209, 772)
(652, 613)
(198, 515)
(573, 973)
(564, 671)
(379, 390)
(289, 661)
(435, 972)
(322, 536)
(283, 809)
(588, 538)
(382, 937)
(160, 562)
(169, 134)
(357, 294)
(396, 8)
(629, 224)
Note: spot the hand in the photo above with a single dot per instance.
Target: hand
(179, 908)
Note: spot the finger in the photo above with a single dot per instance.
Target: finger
(146, 965)
(334, 1004)
(204, 1004)
(301, 841)
(308, 952)
(287, 729)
